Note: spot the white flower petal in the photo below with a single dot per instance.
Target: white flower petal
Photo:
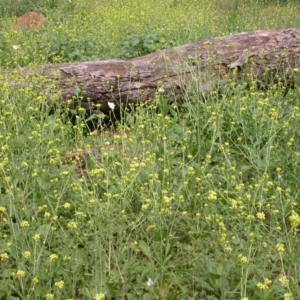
(150, 282)
(15, 47)
(161, 90)
(111, 105)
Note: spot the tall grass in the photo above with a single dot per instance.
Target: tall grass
(197, 201)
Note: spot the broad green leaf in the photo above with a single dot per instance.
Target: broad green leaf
(145, 248)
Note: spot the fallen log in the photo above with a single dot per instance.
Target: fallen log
(266, 56)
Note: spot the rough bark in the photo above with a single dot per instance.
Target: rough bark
(263, 56)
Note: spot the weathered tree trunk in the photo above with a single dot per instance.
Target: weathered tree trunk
(265, 56)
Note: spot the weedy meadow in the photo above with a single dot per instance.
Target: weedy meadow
(198, 200)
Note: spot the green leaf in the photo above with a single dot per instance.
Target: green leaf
(167, 248)
(147, 296)
(7, 273)
(205, 285)
(145, 248)
(44, 230)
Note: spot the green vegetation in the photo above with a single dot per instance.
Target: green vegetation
(197, 201)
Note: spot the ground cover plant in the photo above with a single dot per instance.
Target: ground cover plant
(192, 201)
